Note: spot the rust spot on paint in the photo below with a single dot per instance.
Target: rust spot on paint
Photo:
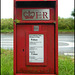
(35, 70)
(49, 70)
(54, 22)
(30, 68)
(38, 71)
(42, 71)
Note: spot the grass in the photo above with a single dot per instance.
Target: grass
(6, 30)
(6, 62)
(65, 30)
(66, 64)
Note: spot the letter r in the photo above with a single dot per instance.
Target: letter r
(45, 15)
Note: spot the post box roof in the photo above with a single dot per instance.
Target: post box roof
(35, 0)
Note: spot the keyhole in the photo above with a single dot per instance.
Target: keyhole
(23, 50)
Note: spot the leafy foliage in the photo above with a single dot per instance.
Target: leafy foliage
(65, 23)
(7, 24)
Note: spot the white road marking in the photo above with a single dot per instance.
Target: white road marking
(69, 54)
(70, 44)
(6, 38)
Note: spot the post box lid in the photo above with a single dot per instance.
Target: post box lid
(35, 0)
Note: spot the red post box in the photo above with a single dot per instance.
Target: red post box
(35, 37)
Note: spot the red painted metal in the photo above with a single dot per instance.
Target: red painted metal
(35, 74)
(21, 41)
(56, 39)
(14, 67)
(35, 0)
(22, 34)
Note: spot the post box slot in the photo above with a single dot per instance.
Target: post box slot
(35, 24)
(26, 4)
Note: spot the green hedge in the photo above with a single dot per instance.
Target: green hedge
(63, 24)
(7, 24)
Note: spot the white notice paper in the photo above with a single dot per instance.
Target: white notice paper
(36, 48)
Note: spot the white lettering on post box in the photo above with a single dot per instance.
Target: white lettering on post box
(36, 48)
(35, 14)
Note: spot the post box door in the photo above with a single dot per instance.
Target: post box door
(35, 48)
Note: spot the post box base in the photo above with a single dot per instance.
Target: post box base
(35, 74)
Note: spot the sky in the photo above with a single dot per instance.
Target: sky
(65, 8)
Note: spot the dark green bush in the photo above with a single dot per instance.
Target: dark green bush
(6, 24)
(65, 23)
